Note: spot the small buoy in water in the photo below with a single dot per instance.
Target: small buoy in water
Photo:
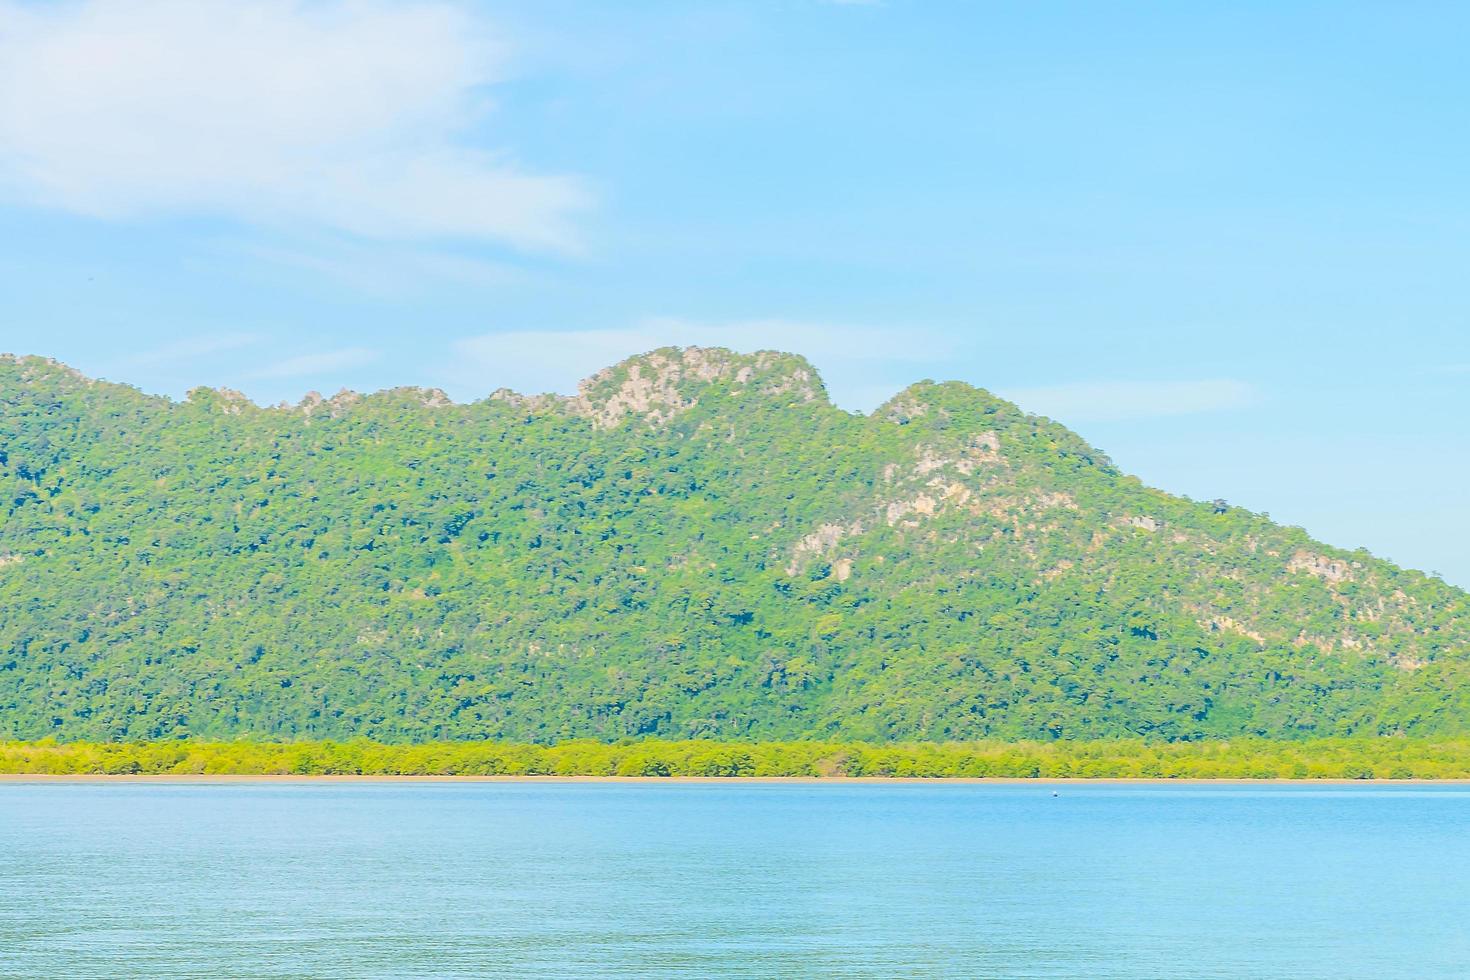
(1055, 793)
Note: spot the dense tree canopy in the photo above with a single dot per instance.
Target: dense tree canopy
(698, 545)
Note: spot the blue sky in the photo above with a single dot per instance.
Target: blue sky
(1225, 242)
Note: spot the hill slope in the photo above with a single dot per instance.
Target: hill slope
(698, 544)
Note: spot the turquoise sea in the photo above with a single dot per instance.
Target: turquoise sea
(528, 879)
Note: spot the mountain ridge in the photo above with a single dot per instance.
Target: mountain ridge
(624, 381)
(697, 543)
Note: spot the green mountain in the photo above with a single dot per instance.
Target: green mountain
(698, 544)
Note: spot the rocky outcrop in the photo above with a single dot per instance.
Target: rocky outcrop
(1330, 569)
(658, 386)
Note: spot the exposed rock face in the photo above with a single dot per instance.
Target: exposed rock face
(664, 383)
(432, 398)
(1230, 624)
(335, 407)
(528, 403)
(1321, 566)
(649, 389)
(37, 368)
(819, 542)
(903, 409)
(232, 402)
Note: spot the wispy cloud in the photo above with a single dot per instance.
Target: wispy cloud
(325, 362)
(1115, 401)
(854, 360)
(383, 269)
(189, 349)
(352, 115)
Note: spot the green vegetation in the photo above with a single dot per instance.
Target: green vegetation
(1237, 759)
(699, 546)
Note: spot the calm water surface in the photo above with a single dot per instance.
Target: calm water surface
(743, 879)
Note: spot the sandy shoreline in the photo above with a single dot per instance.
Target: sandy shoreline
(205, 779)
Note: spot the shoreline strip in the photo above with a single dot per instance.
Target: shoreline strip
(209, 778)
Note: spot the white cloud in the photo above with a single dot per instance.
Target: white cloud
(350, 115)
(853, 360)
(1115, 401)
(306, 365)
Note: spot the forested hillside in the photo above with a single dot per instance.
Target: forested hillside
(698, 545)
